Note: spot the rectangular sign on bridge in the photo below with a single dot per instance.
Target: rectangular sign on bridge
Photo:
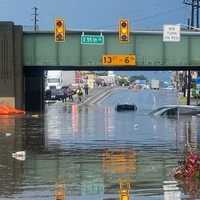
(92, 39)
(119, 60)
(171, 33)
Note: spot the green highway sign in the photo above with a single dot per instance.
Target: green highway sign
(92, 39)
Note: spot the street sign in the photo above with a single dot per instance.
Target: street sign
(119, 60)
(92, 39)
(171, 33)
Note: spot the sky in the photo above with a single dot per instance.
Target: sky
(95, 14)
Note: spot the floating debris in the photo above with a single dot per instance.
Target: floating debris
(8, 110)
(35, 116)
(8, 134)
(19, 155)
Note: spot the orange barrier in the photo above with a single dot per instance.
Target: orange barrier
(8, 110)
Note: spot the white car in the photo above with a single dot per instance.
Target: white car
(176, 110)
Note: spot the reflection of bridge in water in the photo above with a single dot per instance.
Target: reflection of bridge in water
(94, 173)
(84, 170)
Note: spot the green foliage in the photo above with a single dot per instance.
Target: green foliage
(123, 82)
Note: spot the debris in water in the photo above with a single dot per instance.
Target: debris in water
(136, 126)
(35, 116)
(8, 134)
(9, 110)
(19, 155)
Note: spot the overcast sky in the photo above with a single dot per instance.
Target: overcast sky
(96, 14)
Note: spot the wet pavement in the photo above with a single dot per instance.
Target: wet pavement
(92, 152)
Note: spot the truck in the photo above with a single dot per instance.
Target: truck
(59, 79)
(53, 85)
(155, 84)
(54, 80)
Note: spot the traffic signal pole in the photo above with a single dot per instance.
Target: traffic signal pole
(191, 23)
(197, 13)
(189, 77)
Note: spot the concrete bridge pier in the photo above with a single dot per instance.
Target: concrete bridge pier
(34, 90)
(11, 67)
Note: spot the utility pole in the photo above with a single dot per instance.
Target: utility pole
(35, 14)
(189, 79)
(185, 72)
(197, 13)
(195, 5)
(191, 24)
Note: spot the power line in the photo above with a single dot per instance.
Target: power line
(177, 9)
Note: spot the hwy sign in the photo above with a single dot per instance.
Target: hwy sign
(92, 39)
(171, 33)
(119, 59)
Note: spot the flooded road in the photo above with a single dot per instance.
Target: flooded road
(95, 153)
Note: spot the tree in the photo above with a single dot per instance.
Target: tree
(123, 82)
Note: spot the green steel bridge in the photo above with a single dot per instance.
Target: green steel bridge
(25, 55)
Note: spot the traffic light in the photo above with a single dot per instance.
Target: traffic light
(124, 31)
(59, 30)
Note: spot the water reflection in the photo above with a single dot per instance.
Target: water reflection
(191, 187)
(60, 191)
(171, 190)
(124, 193)
(119, 166)
(75, 119)
(11, 170)
(7, 124)
(108, 118)
(88, 153)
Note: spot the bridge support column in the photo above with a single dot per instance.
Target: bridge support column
(11, 68)
(34, 90)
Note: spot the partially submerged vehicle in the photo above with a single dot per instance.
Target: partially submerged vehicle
(171, 110)
(126, 107)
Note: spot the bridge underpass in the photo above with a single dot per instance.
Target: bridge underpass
(25, 56)
(41, 52)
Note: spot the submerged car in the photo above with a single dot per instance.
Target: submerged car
(126, 107)
(171, 110)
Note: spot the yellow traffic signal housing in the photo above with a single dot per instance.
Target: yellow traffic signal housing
(124, 31)
(59, 30)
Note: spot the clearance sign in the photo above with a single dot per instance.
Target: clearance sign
(119, 60)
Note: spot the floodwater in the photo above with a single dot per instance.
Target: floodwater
(95, 153)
